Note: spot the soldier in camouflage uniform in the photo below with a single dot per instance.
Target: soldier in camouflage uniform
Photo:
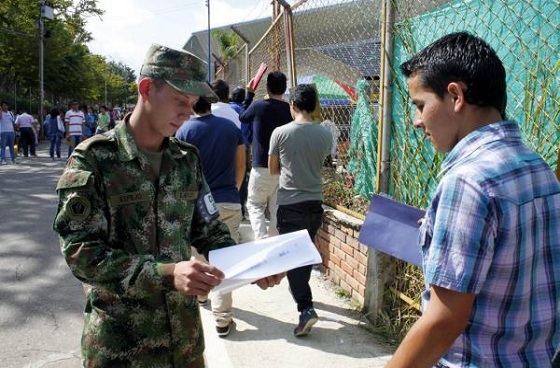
(131, 203)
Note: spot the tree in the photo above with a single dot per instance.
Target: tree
(71, 71)
(229, 46)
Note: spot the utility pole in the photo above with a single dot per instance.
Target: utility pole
(209, 45)
(46, 12)
(41, 63)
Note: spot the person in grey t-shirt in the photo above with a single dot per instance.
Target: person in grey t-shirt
(297, 152)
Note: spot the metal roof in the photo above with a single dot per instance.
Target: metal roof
(350, 35)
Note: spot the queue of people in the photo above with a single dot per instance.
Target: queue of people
(20, 133)
(136, 206)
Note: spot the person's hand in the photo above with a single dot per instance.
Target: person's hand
(249, 89)
(195, 277)
(270, 281)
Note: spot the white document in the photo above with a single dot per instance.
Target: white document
(248, 262)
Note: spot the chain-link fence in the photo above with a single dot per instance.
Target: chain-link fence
(526, 36)
(338, 43)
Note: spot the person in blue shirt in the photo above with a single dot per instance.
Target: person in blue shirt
(89, 126)
(54, 130)
(222, 152)
(490, 238)
(236, 102)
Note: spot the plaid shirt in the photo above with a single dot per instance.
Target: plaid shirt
(493, 229)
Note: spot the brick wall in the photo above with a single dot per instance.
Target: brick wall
(344, 258)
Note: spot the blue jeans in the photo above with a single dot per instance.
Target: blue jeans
(55, 140)
(298, 216)
(7, 139)
(76, 139)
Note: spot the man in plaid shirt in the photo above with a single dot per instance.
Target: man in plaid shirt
(491, 236)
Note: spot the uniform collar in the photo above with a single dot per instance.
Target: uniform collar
(128, 149)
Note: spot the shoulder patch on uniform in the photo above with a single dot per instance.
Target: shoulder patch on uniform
(184, 146)
(73, 179)
(78, 208)
(96, 139)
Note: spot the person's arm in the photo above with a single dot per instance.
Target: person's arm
(247, 114)
(445, 318)
(273, 165)
(239, 166)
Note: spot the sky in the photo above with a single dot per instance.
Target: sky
(129, 27)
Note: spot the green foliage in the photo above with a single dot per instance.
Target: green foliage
(71, 71)
(229, 44)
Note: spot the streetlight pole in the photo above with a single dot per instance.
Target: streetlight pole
(41, 63)
(46, 12)
(209, 45)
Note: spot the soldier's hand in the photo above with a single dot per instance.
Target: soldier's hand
(195, 277)
(270, 281)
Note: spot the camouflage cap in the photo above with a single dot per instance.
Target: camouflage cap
(181, 70)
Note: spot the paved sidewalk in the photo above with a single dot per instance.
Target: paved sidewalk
(264, 331)
(41, 303)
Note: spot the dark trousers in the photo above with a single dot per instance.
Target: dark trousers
(55, 139)
(293, 217)
(27, 141)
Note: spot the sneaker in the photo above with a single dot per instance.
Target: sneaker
(14, 162)
(4, 162)
(224, 331)
(307, 319)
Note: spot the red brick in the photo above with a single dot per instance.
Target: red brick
(353, 242)
(360, 258)
(347, 249)
(347, 268)
(361, 278)
(339, 272)
(353, 282)
(340, 235)
(352, 262)
(339, 253)
(345, 286)
(362, 268)
(335, 259)
(335, 242)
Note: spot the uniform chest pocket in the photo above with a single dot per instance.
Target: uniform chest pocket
(133, 220)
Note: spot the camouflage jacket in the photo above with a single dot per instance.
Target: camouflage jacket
(120, 228)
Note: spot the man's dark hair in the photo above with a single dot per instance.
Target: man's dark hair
(276, 82)
(54, 113)
(461, 57)
(202, 106)
(304, 97)
(238, 95)
(221, 88)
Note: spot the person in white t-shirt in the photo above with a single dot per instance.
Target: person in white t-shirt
(74, 120)
(222, 108)
(7, 133)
